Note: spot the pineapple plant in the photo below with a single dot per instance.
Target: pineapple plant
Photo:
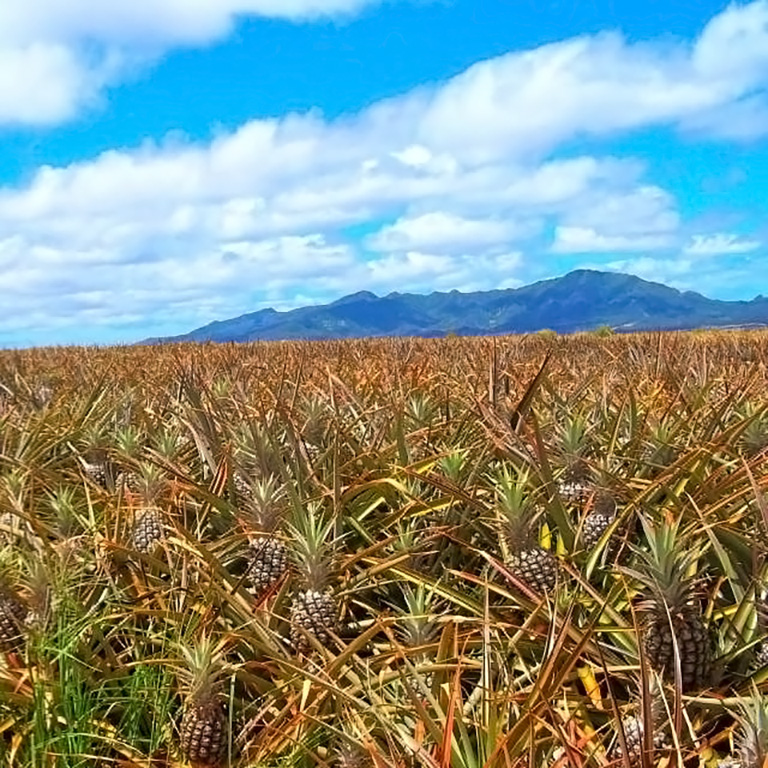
(314, 610)
(203, 731)
(417, 626)
(751, 736)
(575, 484)
(525, 558)
(315, 424)
(129, 443)
(673, 617)
(659, 451)
(754, 438)
(268, 559)
(95, 458)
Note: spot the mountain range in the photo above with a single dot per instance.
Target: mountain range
(579, 301)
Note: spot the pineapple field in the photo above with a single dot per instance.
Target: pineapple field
(449, 553)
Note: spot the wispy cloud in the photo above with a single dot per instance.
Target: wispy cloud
(719, 244)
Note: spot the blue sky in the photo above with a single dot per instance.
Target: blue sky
(167, 163)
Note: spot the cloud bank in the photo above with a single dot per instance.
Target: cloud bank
(455, 182)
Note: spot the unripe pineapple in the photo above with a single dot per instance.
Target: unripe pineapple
(269, 560)
(203, 735)
(13, 614)
(526, 558)
(633, 735)
(262, 518)
(98, 468)
(672, 613)
(575, 485)
(761, 654)
(148, 531)
(598, 520)
(242, 486)
(314, 611)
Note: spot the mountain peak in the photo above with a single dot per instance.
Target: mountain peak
(355, 297)
(581, 300)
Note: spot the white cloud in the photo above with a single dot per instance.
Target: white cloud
(673, 272)
(641, 219)
(719, 244)
(45, 83)
(444, 232)
(417, 271)
(165, 22)
(452, 174)
(587, 240)
(57, 55)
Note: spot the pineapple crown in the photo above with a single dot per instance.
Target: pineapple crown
(453, 466)
(95, 438)
(312, 545)
(314, 411)
(267, 503)
(417, 624)
(129, 440)
(752, 735)
(573, 436)
(513, 500)
(14, 485)
(167, 442)
(665, 565)
(152, 480)
(420, 409)
(63, 503)
(202, 667)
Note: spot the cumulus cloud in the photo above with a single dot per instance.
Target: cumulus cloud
(444, 231)
(166, 22)
(587, 240)
(454, 176)
(56, 57)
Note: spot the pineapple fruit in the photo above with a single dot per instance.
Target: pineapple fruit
(13, 614)
(634, 733)
(526, 558)
(597, 521)
(314, 611)
(674, 620)
(149, 525)
(203, 725)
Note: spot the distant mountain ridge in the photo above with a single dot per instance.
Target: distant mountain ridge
(579, 301)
